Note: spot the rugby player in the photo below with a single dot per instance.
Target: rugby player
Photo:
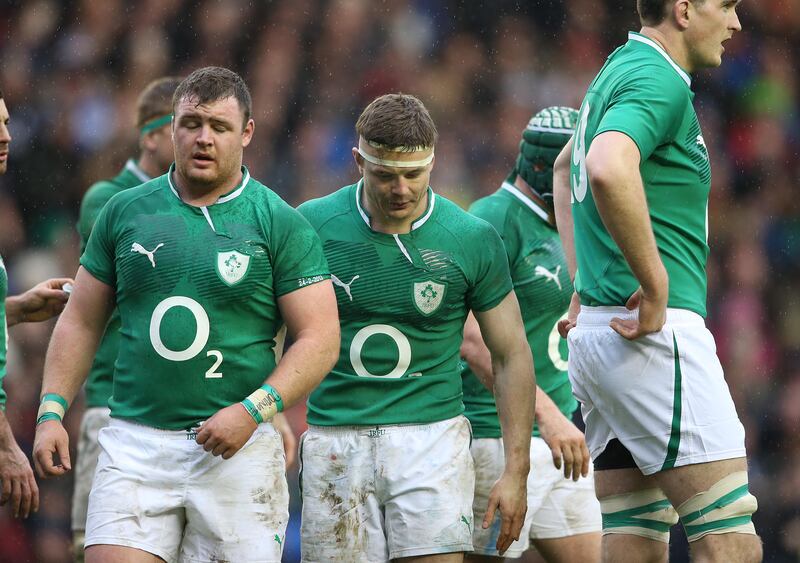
(204, 264)
(386, 468)
(660, 422)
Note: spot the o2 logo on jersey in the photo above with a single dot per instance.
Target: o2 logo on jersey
(400, 340)
(202, 331)
(580, 182)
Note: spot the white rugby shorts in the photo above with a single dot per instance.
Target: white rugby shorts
(372, 494)
(663, 396)
(161, 492)
(94, 419)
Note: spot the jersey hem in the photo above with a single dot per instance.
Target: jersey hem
(366, 424)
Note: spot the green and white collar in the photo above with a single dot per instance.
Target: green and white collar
(414, 226)
(133, 167)
(532, 205)
(633, 36)
(224, 199)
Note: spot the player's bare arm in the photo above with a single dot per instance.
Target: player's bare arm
(612, 165)
(18, 484)
(43, 301)
(566, 441)
(476, 354)
(514, 390)
(312, 322)
(69, 358)
(562, 203)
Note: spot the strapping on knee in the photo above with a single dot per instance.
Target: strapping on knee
(726, 508)
(647, 513)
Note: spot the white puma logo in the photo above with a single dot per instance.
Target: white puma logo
(345, 286)
(702, 143)
(149, 253)
(542, 271)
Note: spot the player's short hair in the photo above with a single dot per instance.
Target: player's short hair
(653, 12)
(213, 83)
(397, 120)
(156, 100)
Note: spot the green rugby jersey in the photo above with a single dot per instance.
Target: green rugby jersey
(543, 288)
(98, 384)
(644, 94)
(4, 328)
(403, 300)
(197, 289)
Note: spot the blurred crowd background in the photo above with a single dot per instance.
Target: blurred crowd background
(71, 71)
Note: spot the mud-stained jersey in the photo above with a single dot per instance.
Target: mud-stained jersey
(197, 290)
(403, 300)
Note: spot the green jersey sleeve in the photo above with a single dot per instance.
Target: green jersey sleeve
(648, 107)
(93, 202)
(492, 279)
(298, 259)
(98, 258)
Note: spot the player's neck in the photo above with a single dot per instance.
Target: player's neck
(525, 188)
(201, 194)
(671, 41)
(149, 166)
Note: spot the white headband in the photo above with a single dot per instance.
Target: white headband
(394, 163)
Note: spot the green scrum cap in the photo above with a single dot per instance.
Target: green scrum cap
(542, 140)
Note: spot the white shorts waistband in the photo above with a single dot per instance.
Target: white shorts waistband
(189, 433)
(382, 429)
(601, 316)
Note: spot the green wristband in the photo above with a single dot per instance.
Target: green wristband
(52, 407)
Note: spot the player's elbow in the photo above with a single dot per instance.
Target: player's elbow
(602, 172)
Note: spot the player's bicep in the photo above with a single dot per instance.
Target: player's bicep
(501, 327)
(311, 309)
(90, 303)
(612, 156)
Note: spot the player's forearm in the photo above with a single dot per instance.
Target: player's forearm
(545, 407)
(69, 356)
(515, 392)
(14, 310)
(6, 436)
(562, 204)
(306, 362)
(619, 196)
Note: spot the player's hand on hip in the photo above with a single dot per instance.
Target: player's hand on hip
(509, 496)
(51, 440)
(566, 325)
(226, 431)
(652, 314)
(18, 484)
(567, 444)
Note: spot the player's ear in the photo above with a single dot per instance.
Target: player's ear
(247, 134)
(680, 13)
(359, 160)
